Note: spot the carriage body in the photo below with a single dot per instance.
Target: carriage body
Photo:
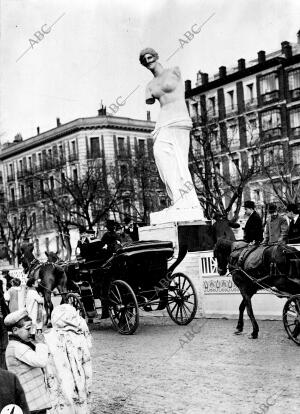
(136, 276)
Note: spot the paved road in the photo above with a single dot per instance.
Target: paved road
(199, 368)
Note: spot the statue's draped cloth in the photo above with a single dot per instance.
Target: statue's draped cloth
(171, 151)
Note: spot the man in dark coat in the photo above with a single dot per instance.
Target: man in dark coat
(11, 391)
(253, 231)
(294, 227)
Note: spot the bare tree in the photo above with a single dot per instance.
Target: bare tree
(222, 170)
(13, 229)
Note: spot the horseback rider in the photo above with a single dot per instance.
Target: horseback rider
(276, 228)
(253, 231)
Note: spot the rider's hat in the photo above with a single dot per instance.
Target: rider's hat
(249, 204)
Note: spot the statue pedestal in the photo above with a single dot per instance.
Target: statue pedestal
(176, 215)
(197, 236)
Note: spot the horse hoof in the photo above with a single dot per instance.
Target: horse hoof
(238, 332)
(253, 336)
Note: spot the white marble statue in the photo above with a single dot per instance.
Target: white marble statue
(171, 135)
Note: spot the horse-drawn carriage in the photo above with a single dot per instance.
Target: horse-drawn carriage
(135, 277)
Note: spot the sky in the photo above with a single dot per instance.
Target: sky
(82, 52)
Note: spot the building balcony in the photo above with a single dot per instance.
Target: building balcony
(123, 154)
(197, 120)
(295, 94)
(10, 177)
(13, 204)
(20, 174)
(270, 97)
(295, 132)
(27, 200)
(73, 157)
(93, 155)
(270, 134)
(29, 171)
(212, 116)
(60, 161)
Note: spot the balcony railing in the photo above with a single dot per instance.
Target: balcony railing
(212, 115)
(10, 177)
(26, 200)
(20, 174)
(123, 154)
(271, 134)
(270, 97)
(295, 132)
(196, 119)
(12, 204)
(73, 157)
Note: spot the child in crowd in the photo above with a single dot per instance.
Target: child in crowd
(27, 360)
(15, 295)
(35, 306)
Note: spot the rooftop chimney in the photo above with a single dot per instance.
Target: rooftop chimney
(58, 122)
(261, 56)
(204, 78)
(102, 110)
(286, 49)
(298, 37)
(222, 72)
(38, 130)
(188, 85)
(148, 116)
(241, 64)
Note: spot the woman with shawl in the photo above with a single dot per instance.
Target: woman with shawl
(69, 371)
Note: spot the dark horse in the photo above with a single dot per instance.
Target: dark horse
(50, 276)
(274, 270)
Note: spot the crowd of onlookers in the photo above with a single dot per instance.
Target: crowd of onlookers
(43, 371)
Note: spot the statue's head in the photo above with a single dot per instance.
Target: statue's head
(148, 53)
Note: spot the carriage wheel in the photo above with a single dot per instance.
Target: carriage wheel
(182, 299)
(291, 318)
(123, 307)
(74, 300)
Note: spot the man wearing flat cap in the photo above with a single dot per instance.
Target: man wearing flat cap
(253, 231)
(276, 229)
(27, 360)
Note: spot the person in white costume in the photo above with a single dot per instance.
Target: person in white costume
(172, 132)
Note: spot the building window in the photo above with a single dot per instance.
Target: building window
(12, 194)
(20, 165)
(296, 156)
(40, 161)
(211, 110)
(295, 121)
(121, 146)
(44, 218)
(126, 206)
(271, 120)
(294, 79)
(141, 147)
(273, 157)
(23, 192)
(95, 147)
(269, 83)
(51, 179)
(75, 175)
(195, 112)
(42, 192)
(11, 169)
(73, 147)
(124, 173)
(230, 99)
(47, 244)
(233, 138)
(249, 93)
(33, 220)
(30, 164)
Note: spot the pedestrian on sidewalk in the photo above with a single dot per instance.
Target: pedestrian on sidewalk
(69, 371)
(35, 306)
(276, 228)
(15, 295)
(27, 360)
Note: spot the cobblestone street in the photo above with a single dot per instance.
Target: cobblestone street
(199, 368)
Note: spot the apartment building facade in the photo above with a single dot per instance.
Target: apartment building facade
(253, 112)
(68, 149)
